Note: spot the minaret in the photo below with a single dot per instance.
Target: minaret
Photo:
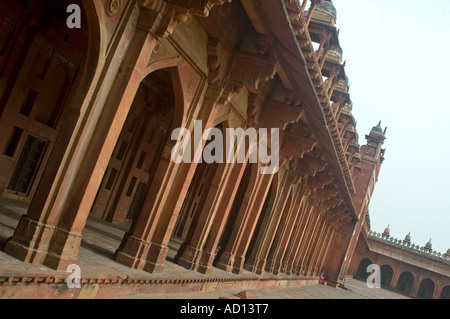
(373, 152)
(375, 141)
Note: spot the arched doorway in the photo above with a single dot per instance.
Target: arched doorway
(362, 269)
(445, 293)
(387, 273)
(138, 150)
(426, 289)
(405, 283)
(42, 64)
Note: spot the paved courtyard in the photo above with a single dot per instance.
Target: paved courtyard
(101, 239)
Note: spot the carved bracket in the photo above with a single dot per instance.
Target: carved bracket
(161, 17)
(297, 145)
(251, 70)
(275, 114)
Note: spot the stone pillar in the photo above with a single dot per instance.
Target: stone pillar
(207, 254)
(233, 257)
(415, 288)
(286, 234)
(51, 231)
(304, 232)
(145, 246)
(222, 191)
(338, 250)
(313, 245)
(258, 258)
(317, 247)
(327, 249)
(309, 244)
(322, 245)
(298, 236)
(395, 277)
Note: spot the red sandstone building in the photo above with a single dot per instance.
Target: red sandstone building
(86, 116)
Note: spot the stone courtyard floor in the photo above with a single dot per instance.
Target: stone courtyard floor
(356, 289)
(101, 239)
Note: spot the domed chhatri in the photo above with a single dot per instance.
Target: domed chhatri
(407, 239)
(428, 245)
(387, 232)
(327, 7)
(377, 128)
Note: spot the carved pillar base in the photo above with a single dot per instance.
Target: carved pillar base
(238, 266)
(188, 257)
(37, 243)
(226, 261)
(63, 249)
(156, 257)
(206, 263)
(276, 269)
(287, 269)
(30, 241)
(132, 252)
(255, 265)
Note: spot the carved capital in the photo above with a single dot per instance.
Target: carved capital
(215, 60)
(275, 114)
(251, 70)
(310, 166)
(160, 17)
(320, 180)
(297, 145)
(326, 193)
(198, 7)
(331, 203)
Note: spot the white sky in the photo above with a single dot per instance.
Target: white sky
(398, 64)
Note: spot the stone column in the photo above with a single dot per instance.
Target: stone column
(233, 257)
(327, 250)
(299, 260)
(219, 197)
(51, 231)
(395, 277)
(258, 258)
(313, 246)
(416, 285)
(286, 234)
(316, 247)
(323, 247)
(145, 246)
(298, 236)
(303, 233)
(341, 242)
(207, 255)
